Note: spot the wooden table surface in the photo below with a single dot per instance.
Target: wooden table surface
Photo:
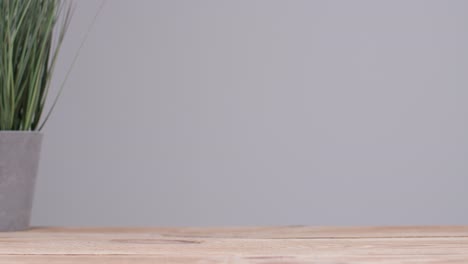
(263, 245)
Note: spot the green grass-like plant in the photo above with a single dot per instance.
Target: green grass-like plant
(31, 34)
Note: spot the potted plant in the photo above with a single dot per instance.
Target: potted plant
(31, 34)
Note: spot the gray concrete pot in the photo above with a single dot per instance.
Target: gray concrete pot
(19, 160)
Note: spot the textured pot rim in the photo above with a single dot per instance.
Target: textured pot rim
(20, 132)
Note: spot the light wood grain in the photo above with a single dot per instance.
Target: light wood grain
(273, 231)
(267, 245)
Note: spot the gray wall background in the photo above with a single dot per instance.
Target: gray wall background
(260, 113)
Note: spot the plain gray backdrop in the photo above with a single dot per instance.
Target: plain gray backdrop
(249, 112)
